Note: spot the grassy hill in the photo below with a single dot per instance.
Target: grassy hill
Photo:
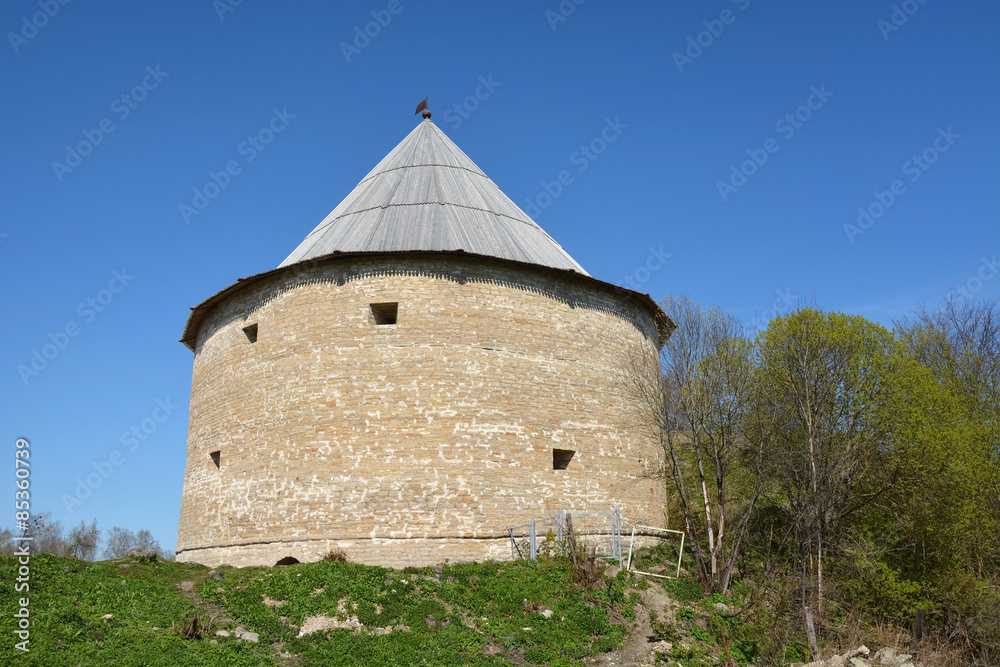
(135, 611)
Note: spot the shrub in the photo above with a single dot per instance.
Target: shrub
(193, 626)
(336, 555)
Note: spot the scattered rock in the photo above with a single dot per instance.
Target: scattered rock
(222, 633)
(612, 571)
(402, 628)
(658, 569)
(215, 575)
(214, 642)
(722, 608)
(145, 553)
(662, 647)
(66, 570)
(274, 603)
(547, 613)
(452, 580)
(887, 657)
(473, 579)
(859, 657)
(322, 622)
(107, 617)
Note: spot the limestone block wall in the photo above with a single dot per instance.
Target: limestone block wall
(414, 442)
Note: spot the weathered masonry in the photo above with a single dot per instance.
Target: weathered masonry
(426, 369)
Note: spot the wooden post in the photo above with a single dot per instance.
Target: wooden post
(811, 631)
(918, 629)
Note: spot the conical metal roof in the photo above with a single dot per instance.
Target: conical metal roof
(426, 194)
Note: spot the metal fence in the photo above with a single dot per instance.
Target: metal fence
(601, 531)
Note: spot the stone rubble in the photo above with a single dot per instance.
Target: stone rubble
(861, 657)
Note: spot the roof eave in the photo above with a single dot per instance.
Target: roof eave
(664, 325)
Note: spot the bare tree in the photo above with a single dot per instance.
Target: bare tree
(82, 541)
(6, 542)
(47, 535)
(697, 397)
(121, 540)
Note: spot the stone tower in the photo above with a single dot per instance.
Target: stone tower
(425, 370)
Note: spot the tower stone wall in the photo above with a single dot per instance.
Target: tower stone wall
(419, 441)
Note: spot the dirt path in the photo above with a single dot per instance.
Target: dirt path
(641, 646)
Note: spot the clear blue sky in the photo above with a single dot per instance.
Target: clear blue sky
(887, 93)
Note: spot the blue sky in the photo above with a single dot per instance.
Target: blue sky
(99, 262)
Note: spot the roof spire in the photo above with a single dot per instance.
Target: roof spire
(423, 107)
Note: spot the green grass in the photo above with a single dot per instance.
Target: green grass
(489, 620)
(68, 628)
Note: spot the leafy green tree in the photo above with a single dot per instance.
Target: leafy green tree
(824, 380)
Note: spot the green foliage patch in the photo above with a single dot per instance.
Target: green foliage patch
(471, 614)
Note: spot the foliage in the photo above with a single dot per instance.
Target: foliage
(336, 556)
(865, 463)
(453, 613)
